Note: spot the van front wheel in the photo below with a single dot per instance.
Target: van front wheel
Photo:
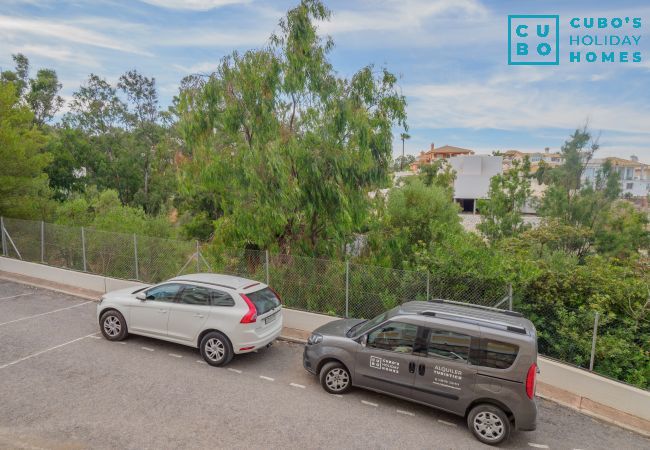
(489, 424)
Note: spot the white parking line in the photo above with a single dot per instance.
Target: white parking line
(200, 361)
(175, 355)
(123, 343)
(444, 422)
(234, 370)
(45, 351)
(406, 413)
(147, 349)
(14, 296)
(532, 444)
(297, 385)
(369, 403)
(45, 313)
(267, 378)
(95, 337)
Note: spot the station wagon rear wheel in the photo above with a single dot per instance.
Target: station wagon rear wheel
(335, 378)
(216, 349)
(113, 325)
(489, 424)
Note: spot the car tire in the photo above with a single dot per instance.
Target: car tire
(335, 378)
(489, 423)
(113, 325)
(216, 349)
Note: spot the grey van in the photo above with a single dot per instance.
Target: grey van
(476, 362)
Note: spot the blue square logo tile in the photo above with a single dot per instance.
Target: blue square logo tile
(533, 40)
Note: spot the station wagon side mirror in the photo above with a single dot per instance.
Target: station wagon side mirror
(141, 296)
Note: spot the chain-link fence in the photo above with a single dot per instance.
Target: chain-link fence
(585, 338)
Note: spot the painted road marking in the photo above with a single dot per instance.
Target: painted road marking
(532, 444)
(175, 355)
(122, 343)
(406, 413)
(337, 395)
(267, 378)
(444, 422)
(234, 370)
(200, 361)
(297, 385)
(147, 349)
(369, 403)
(95, 337)
(45, 313)
(45, 351)
(13, 296)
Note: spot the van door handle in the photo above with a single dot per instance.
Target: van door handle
(411, 367)
(421, 369)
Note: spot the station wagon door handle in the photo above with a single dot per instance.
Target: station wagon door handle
(411, 367)
(198, 315)
(421, 369)
(162, 311)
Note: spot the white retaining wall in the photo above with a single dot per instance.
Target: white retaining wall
(576, 381)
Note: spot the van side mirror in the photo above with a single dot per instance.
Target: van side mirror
(364, 340)
(141, 296)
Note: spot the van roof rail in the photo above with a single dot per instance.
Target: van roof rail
(486, 308)
(475, 321)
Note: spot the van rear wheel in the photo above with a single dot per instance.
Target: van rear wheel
(489, 424)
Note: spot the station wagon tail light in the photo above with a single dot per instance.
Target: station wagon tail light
(251, 315)
(530, 381)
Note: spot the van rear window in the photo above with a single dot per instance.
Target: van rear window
(497, 354)
(264, 300)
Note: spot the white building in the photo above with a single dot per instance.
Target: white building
(473, 174)
(634, 175)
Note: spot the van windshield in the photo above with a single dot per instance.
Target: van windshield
(368, 325)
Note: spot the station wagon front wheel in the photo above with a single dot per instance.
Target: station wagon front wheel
(489, 424)
(335, 378)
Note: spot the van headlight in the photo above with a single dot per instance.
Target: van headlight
(314, 339)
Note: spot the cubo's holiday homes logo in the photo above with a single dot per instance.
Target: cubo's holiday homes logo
(535, 40)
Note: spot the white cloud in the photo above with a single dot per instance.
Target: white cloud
(476, 105)
(202, 37)
(57, 53)
(202, 67)
(195, 5)
(65, 32)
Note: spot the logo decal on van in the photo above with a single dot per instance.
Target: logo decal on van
(386, 365)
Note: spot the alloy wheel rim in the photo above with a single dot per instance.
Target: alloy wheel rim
(489, 426)
(337, 379)
(112, 326)
(214, 349)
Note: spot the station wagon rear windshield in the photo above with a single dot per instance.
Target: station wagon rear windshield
(264, 300)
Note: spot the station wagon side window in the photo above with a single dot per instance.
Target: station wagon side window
(163, 293)
(398, 337)
(497, 354)
(448, 345)
(220, 298)
(196, 295)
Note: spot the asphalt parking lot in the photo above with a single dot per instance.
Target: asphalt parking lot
(63, 386)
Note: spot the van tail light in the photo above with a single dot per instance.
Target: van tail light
(530, 381)
(251, 315)
(276, 294)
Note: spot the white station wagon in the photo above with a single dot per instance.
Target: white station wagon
(222, 315)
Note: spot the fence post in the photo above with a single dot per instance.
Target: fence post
(266, 265)
(135, 256)
(198, 256)
(83, 246)
(510, 296)
(347, 289)
(593, 343)
(2, 232)
(42, 242)
(428, 284)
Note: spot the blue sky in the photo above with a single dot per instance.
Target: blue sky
(451, 56)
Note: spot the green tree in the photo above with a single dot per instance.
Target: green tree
(43, 96)
(508, 194)
(439, 173)
(24, 190)
(288, 149)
